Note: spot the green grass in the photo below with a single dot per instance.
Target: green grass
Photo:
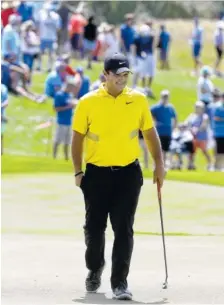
(50, 204)
(39, 165)
(28, 150)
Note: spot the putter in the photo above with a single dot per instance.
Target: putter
(165, 284)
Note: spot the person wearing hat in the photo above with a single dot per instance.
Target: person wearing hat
(198, 122)
(165, 118)
(108, 119)
(205, 86)
(218, 130)
(219, 44)
(63, 106)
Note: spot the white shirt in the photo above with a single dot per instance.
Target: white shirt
(112, 43)
(29, 43)
(48, 24)
(207, 85)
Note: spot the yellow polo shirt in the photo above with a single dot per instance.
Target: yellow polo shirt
(111, 126)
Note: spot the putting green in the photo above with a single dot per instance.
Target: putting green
(51, 204)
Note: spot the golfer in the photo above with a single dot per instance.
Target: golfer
(109, 119)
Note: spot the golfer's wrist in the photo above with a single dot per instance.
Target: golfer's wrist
(76, 174)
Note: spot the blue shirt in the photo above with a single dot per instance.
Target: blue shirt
(163, 115)
(25, 10)
(143, 44)
(10, 41)
(62, 99)
(84, 89)
(164, 40)
(127, 34)
(218, 126)
(5, 77)
(4, 96)
(53, 84)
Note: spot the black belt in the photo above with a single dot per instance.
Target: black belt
(113, 168)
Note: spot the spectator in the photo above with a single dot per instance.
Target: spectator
(111, 41)
(163, 45)
(89, 42)
(64, 14)
(85, 83)
(165, 118)
(215, 102)
(198, 122)
(37, 7)
(181, 143)
(55, 79)
(25, 10)
(95, 85)
(218, 130)
(15, 76)
(30, 44)
(127, 34)
(143, 56)
(76, 29)
(219, 44)
(7, 11)
(10, 37)
(197, 39)
(205, 86)
(63, 105)
(4, 104)
(48, 25)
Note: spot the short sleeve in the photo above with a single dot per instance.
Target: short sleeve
(80, 118)
(57, 101)
(146, 118)
(49, 88)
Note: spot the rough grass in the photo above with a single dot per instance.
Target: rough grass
(28, 150)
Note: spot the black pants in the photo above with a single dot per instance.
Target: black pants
(113, 192)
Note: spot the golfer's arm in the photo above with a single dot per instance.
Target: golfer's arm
(77, 150)
(154, 146)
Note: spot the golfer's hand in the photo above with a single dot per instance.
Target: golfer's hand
(159, 174)
(78, 180)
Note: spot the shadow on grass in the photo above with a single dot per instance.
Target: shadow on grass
(101, 298)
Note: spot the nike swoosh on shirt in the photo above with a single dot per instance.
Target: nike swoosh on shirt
(127, 103)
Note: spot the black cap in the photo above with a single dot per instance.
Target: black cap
(117, 63)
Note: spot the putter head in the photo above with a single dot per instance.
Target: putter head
(165, 285)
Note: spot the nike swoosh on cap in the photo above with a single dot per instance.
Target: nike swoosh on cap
(121, 62)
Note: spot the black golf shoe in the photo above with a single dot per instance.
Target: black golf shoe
(93, 280)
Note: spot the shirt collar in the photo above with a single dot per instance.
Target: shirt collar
(103, 91)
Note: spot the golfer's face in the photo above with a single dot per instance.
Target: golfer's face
(118, 81)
